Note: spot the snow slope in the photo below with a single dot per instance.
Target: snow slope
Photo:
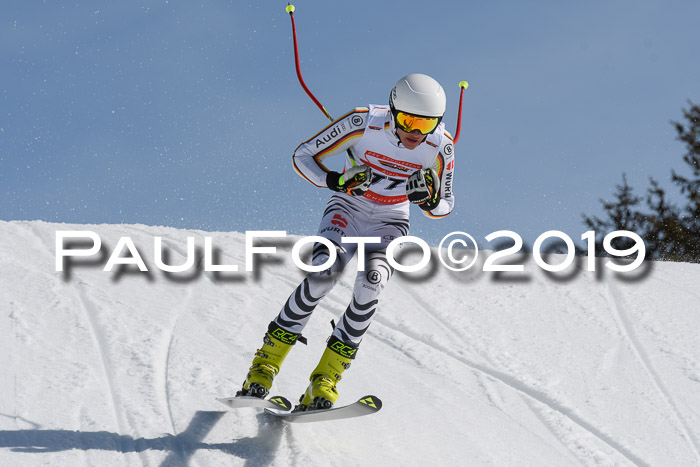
(123, 368)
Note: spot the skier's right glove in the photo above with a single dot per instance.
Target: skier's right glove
(355, 181)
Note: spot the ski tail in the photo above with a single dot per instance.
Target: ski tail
(275, 402)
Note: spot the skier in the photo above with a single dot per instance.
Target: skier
(394, 155)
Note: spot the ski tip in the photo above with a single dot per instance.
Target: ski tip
(281, 402)
(372, 402)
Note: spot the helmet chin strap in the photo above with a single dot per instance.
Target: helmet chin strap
(394, 130)
(392, 127)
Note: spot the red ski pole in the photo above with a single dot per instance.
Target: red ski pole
(290, 10)
(463, 85)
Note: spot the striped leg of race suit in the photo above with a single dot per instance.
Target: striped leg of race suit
(347, 217)
(301, 303)
(368, 285)
(358, 315)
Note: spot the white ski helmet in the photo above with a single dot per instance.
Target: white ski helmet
(418, 94)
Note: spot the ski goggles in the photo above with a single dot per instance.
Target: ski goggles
(409, 123)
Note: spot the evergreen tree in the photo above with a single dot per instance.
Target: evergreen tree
(670, 233)
(689, 234)
(660, 228)
(621, 215)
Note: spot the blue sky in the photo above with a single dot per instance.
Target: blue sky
(186, 114)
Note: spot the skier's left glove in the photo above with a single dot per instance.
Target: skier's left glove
(423, 189)
(355, 181)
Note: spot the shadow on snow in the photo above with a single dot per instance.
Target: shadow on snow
(258, 450)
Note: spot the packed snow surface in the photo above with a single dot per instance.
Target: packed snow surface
(474, 368)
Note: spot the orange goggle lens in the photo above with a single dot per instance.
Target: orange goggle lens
(409, 123)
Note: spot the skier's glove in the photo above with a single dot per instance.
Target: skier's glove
(423, 189)
(355, 181)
